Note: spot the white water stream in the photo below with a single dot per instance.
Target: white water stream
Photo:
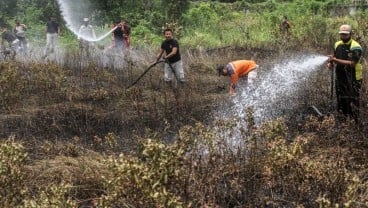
(73, 13)
(270, 95)
(274, 92)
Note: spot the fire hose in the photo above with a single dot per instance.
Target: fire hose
(150, 67)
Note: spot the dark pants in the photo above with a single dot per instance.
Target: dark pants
(347, 94)
(119, 44)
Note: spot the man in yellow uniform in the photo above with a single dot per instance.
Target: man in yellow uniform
(348, 80)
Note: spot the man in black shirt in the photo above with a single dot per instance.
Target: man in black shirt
(118, 35)
(173, 65)
(52, 34)
(347, 59)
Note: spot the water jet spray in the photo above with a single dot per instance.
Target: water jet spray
(274, 93)
(70, 16)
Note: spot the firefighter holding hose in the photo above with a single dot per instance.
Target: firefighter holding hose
(348, 80)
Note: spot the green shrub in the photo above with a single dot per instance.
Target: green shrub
(52, 197)
(13, 158)
(149, 180)
(12, 84)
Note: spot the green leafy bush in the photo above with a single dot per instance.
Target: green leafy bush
(12, 84)
(13, 158)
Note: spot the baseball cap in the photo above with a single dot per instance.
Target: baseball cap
(345, 29)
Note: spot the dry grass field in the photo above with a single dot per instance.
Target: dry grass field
(73, 135)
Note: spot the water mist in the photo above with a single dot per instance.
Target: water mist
(274, 92)
(73, 13)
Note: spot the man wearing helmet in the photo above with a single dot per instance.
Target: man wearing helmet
(85, 34)
(348, 80)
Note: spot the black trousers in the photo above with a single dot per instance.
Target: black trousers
(348, 93)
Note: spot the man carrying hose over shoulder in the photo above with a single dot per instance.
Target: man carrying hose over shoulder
(237, 69)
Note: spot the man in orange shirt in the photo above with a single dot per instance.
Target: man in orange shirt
(236, 69)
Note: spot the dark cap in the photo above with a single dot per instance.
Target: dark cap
(220, 70)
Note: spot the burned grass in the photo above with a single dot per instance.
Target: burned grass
(74, 138)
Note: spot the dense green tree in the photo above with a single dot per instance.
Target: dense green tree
(198, 18)
(8, 8)
(37, 11)
(174, 9)
(156, 11)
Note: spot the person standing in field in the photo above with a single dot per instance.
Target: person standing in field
(52, 30)
(173, 65)
(238, 69)
(285, 24)
(126, 34)
(20, 32)
(85, 34)
(285, 27)
(347, 58)
(9, 41)
(118, 36)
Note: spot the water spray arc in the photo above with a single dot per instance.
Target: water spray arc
(273, 91)
(73, 17)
